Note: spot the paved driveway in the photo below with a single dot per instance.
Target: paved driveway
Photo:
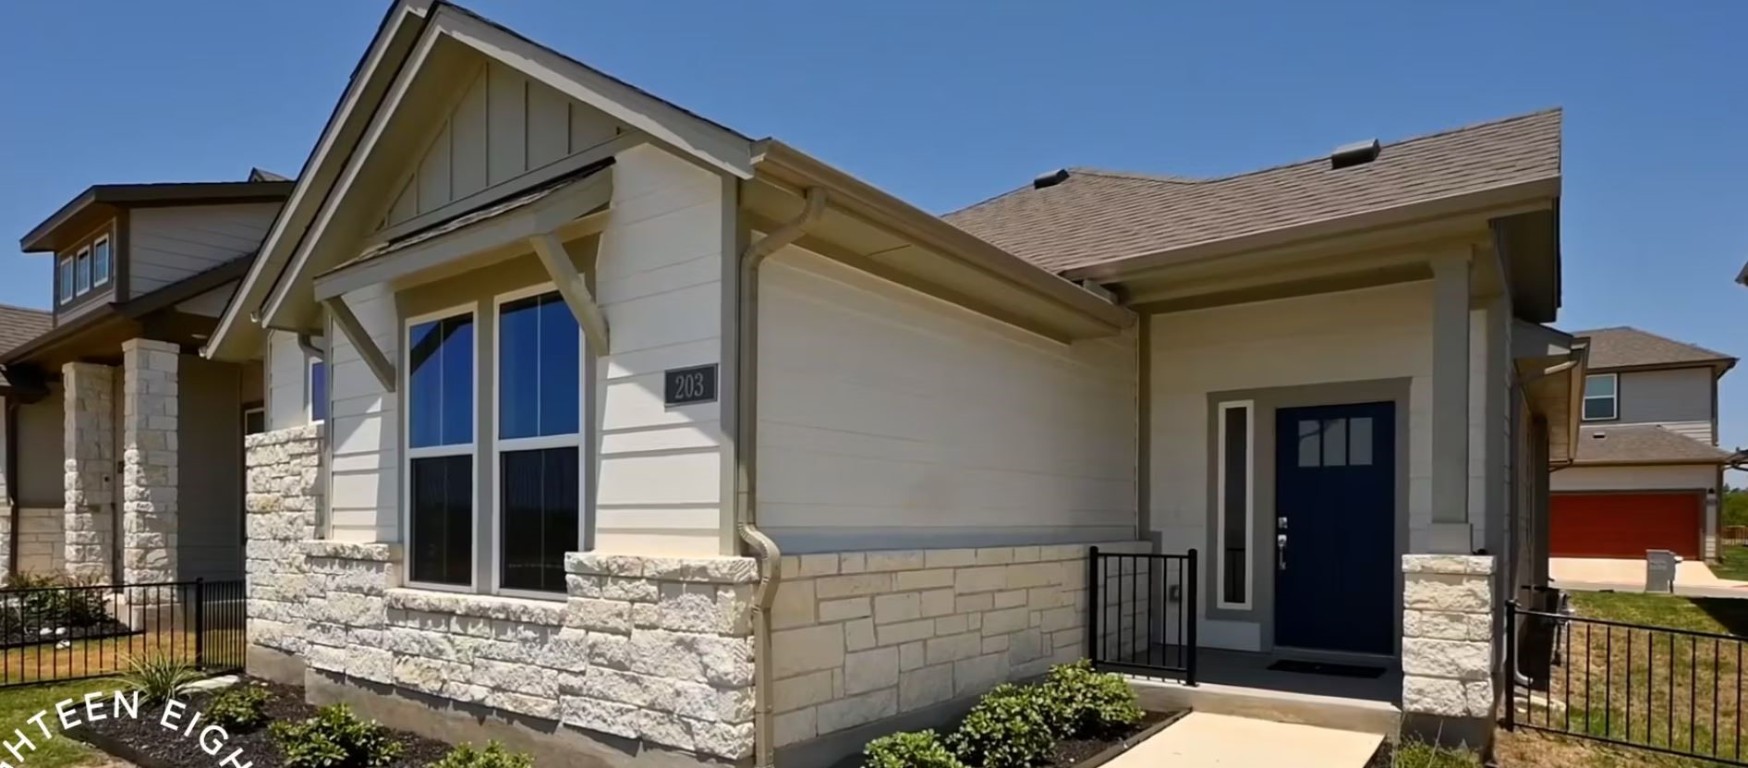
(1692, 578)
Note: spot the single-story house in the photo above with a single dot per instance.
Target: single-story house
(1648, 470)
(650, 439)
(104, 405)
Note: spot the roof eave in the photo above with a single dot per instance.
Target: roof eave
(1527, 193)
(151, 194)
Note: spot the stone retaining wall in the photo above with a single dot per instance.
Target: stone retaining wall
(1447, 635)
(862, 636)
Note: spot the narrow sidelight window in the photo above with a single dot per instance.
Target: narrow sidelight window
(539, 450)
(1235, 469)
(318, 390)
(440, 448)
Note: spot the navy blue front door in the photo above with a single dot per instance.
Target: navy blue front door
(1335, 504)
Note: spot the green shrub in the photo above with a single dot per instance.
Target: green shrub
(1007, 729)
(493, 756)
(334, 738)
(240, 707)
(1081, 701)
(910, 749)
(158, 676)
(53, 600)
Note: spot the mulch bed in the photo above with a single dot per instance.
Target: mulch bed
(1088, 753)
(148, 744)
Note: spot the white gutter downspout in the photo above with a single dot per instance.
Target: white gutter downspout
(746, 510)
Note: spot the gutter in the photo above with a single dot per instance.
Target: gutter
(746, 434)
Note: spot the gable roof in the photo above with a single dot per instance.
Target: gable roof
(1628, 347)
(20, 324)
(1643, 444)
(1099, 217)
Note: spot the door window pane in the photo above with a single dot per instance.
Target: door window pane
(1359, 441)
(442, 512)
(538, 497)
(1235, 507)
(1335, 442)
(100, 262)
(1310, 443)
(538, 368)
(440, 382)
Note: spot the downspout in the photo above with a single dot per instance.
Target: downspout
(746, 432)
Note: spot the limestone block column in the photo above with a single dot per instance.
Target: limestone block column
(88, 452)
(149, 461)
(1448, 663)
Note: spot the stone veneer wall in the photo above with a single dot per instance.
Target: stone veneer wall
(1447, 635)
(862, 636)
(41, 544)
(88, 443)
(149, 461)
(644, 648)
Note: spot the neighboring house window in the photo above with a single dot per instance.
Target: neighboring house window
(440, 448)
(100, 261)
(538, 450)
(1602, 397)
(318, 391)
(66, 279)
(1234, 504)
(82, 272)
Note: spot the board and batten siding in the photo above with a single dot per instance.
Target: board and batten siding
(1679, 399)
(891, 420)
(1363, 335)
(169, 244)
(503, 126)
(659, 472)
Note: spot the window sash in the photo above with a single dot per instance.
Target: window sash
(468, 449)
(1612, 397)
(100, 261)
(66, 278)
(1235, 560)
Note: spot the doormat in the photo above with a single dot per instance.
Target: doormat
(1322, 668)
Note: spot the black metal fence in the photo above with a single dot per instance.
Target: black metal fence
(1672, 691)
(1142, 611)
(64, 633)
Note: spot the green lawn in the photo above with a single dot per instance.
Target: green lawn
(1732, 563)
(18, 705)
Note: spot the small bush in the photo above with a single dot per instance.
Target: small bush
(493, 756)
(918, 749)
(334, 738)
(1080, 701)
(53, 600)
(240, 707)
(158, 676)
(1007, 729)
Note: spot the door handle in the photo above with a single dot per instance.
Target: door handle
(1281, 551)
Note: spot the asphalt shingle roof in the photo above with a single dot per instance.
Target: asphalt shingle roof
(19, 325)
(1095, 216)
(1624, 346)
(1625, 444)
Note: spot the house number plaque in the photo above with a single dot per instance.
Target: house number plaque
(685, 386)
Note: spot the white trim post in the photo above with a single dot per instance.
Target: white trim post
(1450, 530)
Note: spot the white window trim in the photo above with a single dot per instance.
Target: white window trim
(534, 443)
(82, 255)
(64, 269)
(101, 279)
(1249, 406)
(409, 453)
(1615, 399)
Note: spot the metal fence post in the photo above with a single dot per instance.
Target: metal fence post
(1511, 665)
(200, 623)
(1092, 605)
(1191, 587)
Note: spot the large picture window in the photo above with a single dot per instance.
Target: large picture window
(1235, 469)
(538, 446)
(441, 360)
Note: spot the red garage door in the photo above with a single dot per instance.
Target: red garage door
(1625, 524)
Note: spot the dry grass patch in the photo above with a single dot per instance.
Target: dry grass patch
(103, 657)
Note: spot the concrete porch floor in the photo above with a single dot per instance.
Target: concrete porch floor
(1241, 684)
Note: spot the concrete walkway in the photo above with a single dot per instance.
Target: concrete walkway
(1202, 740)
(1692, 577)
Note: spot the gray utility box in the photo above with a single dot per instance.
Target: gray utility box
(1660, 570)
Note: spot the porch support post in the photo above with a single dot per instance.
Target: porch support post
(1449, 532)
(574, 289)
(361, 341)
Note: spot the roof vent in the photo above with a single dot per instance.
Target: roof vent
(1050, 179)
(1357, 153)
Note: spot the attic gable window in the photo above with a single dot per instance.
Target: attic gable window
(100, 262)
(1602, 397)
(82, 272)
(65, 278)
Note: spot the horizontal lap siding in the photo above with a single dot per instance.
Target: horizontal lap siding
(889, 419)
(364, 443)
(1649, 478)
(166, 245)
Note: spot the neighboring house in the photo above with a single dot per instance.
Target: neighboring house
(647, 436)
(17, 326)
(125, 451)
(1648, 470)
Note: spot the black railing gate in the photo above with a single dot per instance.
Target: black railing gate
(1141, 613)
(65, 633)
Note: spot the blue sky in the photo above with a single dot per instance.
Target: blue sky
(947, 103)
